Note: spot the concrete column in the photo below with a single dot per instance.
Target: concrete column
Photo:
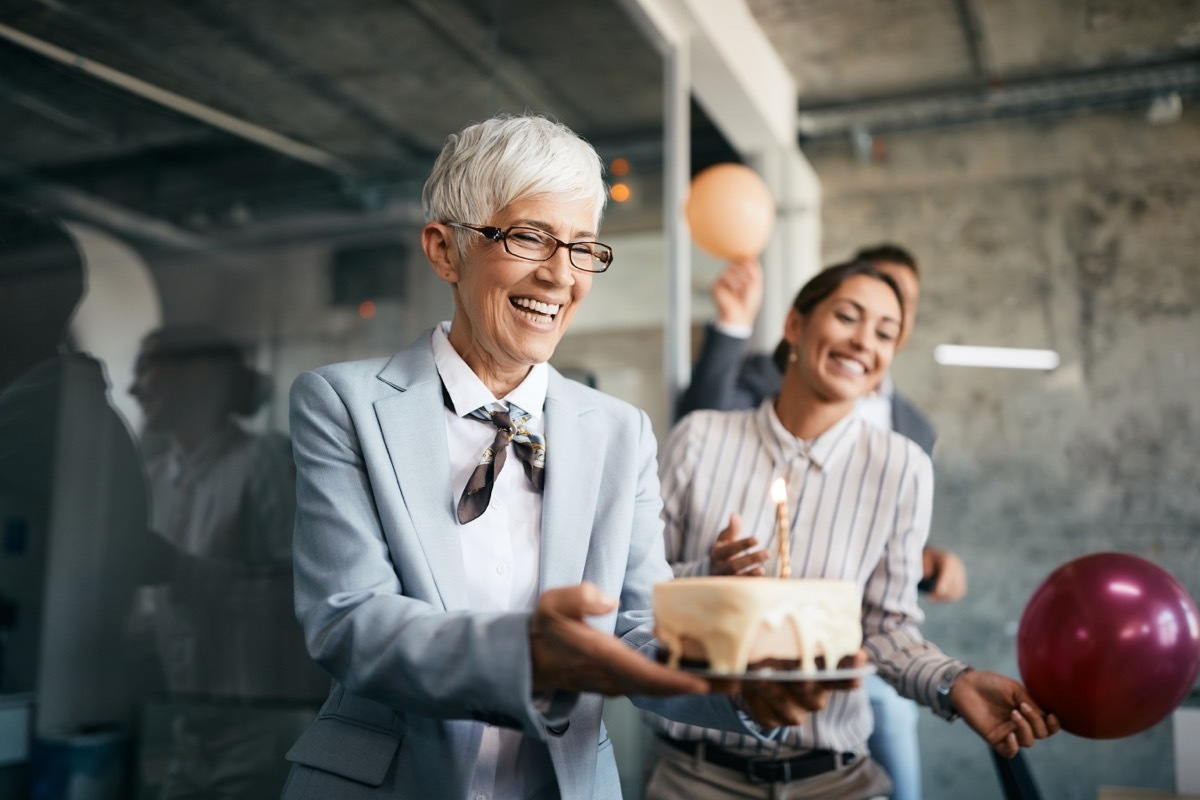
(744, 87)
(676, 167)
(793, 254)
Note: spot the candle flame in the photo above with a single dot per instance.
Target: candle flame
(779, 490)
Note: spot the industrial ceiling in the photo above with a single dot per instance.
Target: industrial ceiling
(216, 121)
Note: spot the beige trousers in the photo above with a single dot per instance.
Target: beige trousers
(679, 776)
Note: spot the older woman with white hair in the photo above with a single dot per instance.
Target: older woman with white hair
(445, 593)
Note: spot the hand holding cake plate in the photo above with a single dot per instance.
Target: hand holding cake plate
(773, 703)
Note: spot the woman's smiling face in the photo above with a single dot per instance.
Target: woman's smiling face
(511, 313)
(846, 343)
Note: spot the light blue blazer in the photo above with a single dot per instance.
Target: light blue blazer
(381, 590)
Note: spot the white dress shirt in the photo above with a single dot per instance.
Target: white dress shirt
(876, 408)
(501, 548)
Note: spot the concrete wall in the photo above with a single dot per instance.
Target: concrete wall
(1078, 234)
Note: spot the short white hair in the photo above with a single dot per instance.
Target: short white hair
(488, 165)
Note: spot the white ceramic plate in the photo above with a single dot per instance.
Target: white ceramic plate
(789, 675)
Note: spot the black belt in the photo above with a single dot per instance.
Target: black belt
(768, 770)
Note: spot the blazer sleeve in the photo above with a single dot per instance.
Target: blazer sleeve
(358, 622)
(724, 379)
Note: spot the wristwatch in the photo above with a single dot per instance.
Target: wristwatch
(945, 685)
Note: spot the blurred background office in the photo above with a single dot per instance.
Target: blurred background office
(254, 170)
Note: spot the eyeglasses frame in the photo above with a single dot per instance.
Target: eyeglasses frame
(492, 233)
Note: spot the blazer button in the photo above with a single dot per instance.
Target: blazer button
(559, 730)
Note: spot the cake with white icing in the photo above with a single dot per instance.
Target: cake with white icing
(729, 623)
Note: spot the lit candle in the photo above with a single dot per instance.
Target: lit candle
(779, 495)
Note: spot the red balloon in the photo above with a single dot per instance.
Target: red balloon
(1110, 643)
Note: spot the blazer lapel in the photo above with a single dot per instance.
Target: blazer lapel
(575, 447)
(413, 428)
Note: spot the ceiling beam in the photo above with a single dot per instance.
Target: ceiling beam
(49, 111)
(736, 74)
(265, 50)
(182, 105)
(476, 44)
(71, 203)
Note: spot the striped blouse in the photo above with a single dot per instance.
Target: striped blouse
(859, 504)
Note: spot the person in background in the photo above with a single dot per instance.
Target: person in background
(860, 501)
(73, 496)
(477, 536)
(724, 377)
(220, 615)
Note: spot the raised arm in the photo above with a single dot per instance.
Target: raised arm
(723, 378)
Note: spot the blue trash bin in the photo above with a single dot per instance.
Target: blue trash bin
(88, 765)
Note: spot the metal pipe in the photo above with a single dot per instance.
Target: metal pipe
(182, 105)
(1024, 98)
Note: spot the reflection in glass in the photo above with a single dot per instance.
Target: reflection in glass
(72, 509)
(220, 616)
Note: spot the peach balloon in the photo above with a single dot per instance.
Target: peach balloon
(730, 211)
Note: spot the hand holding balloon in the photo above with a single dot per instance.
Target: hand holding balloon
(999, 709)
(738, 292)
(1110, 643)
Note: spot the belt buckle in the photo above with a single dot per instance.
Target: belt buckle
(787, 771)
(753, 776)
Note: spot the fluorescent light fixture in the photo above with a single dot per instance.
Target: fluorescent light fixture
(957, 355)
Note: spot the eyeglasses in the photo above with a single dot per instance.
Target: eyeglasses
(532, 244)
